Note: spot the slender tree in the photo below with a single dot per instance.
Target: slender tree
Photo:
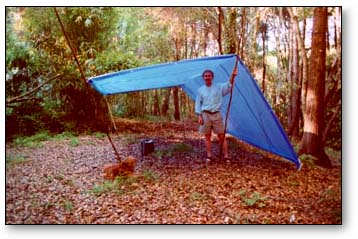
(311, 142)
(301, 44)
(220, 24)
(263, 30)
(296, 86)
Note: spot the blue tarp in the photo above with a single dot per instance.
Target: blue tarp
(251, 118)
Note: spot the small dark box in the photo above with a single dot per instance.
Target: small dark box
(147, 146)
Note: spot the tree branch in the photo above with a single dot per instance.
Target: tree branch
(21, 98)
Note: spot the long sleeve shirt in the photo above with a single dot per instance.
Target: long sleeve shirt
(210, 98)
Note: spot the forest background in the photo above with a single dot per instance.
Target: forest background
(44, 90)
(68, 124)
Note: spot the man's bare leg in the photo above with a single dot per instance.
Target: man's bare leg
(208, 144)
(222, 141)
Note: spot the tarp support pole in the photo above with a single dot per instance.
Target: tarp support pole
(229, 104)
(110, 114)
(84, 78)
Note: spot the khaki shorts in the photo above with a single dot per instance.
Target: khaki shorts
(212, 122)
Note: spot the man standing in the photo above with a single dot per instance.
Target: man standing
(207, 106)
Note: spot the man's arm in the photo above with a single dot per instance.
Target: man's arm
(227, 87)
(198, 108)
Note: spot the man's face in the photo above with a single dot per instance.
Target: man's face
(208, 78)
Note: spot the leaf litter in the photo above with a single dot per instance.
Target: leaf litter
(60, 183)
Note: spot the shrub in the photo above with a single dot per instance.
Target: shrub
(34, 140)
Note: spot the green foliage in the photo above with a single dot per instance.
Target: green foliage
(100, 189)
(173, 149)
(253, 200)
(49, 179)
(42, 50)
(74, 142)
(181, 148)
(34, 140)
(108, 39)
(161, 153)
(149, 175)
(130, 138)
(37, 139)
(332, 153)
(63, 136)
(99, 135)
(196, 196)
(308, 160)
(120, 185)
(12, 160)
(67, 205)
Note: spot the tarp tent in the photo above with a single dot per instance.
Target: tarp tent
(251, 118)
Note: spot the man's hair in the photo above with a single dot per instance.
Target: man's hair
(207, 71)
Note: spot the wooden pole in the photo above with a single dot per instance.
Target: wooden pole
(83, 77)
(229, 105)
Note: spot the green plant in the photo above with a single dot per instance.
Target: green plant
(12, 160)
(149, 175)
(34, 140)
(74, 142)
(49, 179)
(99, 135)
(130, 138)
(181, 148)
(63, 136)
(100, 189)
(255, 199)
(160, 153)
(333, 153)
(118, 186)
(196, 196)
(308, 160)
(68, 205)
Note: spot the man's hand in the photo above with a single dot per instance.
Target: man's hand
(201, 120)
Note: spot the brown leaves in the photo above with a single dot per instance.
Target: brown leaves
(58, 183)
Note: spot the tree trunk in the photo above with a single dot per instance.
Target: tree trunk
(156, 110)
(176, 103)
(289, 76)
(301, 44)
(278, 59)
(241, 43)
(296, 87)
(253, 53)
(230, 32)
(311, 142)
(220, 24)
(165, 105)
(263, 61)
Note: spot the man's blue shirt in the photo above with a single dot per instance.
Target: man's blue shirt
(210, 98)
